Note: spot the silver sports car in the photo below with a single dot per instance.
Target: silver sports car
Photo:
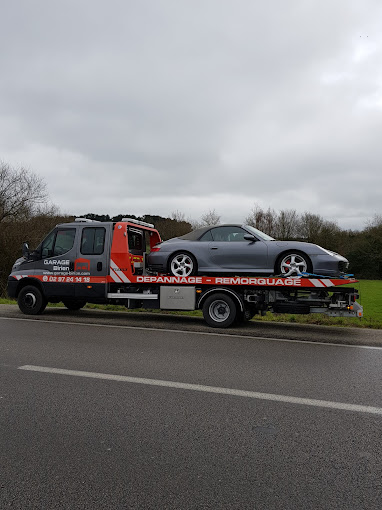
(241, 249)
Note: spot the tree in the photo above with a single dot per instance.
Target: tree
(262, 220)
(25, 215)
(287, 224)
(21, 193)
(178, 216)
(210, 218)
(207, 219)
(315, 229)
(310, 226)
(365, 254)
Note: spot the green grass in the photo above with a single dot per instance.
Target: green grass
(5, 301)
(370, 298)
(370, 292)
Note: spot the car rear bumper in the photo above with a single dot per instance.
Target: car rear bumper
(157, 262)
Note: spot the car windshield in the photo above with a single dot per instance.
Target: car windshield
(258, 233)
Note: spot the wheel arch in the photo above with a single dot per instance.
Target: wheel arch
(223, 290)
(297, 251)
(29, 281)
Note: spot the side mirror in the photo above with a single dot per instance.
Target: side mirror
(26, 250)
(250, 237)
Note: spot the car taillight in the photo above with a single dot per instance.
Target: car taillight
(156, 248)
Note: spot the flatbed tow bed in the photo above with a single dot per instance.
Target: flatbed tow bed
(113, 271)
(225, 299)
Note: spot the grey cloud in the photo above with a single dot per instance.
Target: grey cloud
(196, 99)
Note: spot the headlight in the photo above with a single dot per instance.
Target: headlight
(332, 253)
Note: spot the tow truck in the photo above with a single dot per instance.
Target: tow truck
(87, 261)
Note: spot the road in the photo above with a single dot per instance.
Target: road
(104, 411)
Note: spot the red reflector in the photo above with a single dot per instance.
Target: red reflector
(156, 248)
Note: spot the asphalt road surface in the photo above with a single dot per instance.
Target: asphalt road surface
(114, 411)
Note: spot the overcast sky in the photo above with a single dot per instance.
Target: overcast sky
(152, 106)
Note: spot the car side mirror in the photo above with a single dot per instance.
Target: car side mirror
(26, 251)
(250, 237)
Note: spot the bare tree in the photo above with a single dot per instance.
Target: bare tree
(25, 214)
(178, 216)
(376, 221)
(287, 224)
(21, 192)
(264, 220)
(210, 218)
(310, 226)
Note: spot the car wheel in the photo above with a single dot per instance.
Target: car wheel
(293, 263)
(182, 264)
(219, 310)
(31, 301)
(74, 305)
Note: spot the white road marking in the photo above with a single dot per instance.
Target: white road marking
(188, 332)
(209, 389)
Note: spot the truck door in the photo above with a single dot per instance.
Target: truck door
(91, 264)
(55, 255)
(137, 248)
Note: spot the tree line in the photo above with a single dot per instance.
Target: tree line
(26, 214)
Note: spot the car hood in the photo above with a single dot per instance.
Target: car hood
(309, 248)
(293, 244)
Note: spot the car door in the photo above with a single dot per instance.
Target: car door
(230, 251)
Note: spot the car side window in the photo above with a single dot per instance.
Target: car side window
(92, 241)
(228, 234)
(207, 236)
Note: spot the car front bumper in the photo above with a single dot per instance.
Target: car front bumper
(330, 265)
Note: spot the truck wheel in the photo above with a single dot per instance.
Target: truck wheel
(31, 301)
(74, 305)
(219, 310)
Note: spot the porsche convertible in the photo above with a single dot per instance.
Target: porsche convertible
(241, 249)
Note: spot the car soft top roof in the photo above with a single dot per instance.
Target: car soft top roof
(197, 234)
